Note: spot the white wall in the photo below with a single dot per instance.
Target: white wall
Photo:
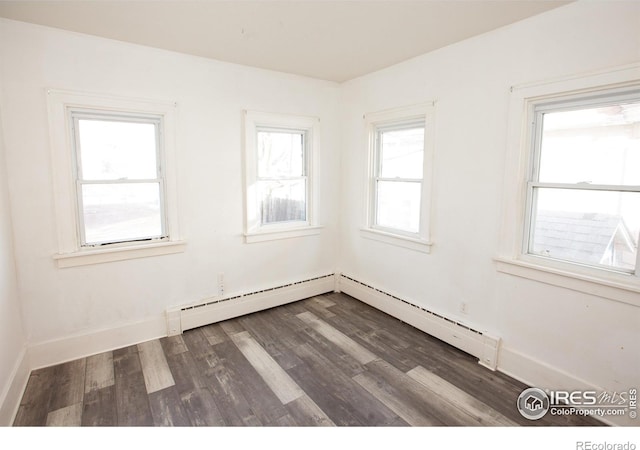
(550, 334)
(64, 306)
(13, 342)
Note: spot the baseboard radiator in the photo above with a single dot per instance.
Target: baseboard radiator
(218, 309)
(467, 339)
(474, 342)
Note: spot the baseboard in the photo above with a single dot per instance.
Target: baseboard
(536, 373)
(468, 339)
(10, 399)
(58, 351)
(216, 310)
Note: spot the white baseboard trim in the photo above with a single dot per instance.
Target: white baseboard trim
(10, 399)
(207, 312)
(58, 351)
(536, 373)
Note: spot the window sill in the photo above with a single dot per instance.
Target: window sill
(419, 245)
(104, 255)
(618, 287)
(272, 235)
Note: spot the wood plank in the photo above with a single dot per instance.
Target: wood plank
(201, 408)
(34, 405)
(458, 398)
(69, 416)
(99, 372)
(69, 387)
(342, 390)
(166, 408)
(132, 402)
(231, 402)
(231, 327)
(319, 306)
(273, 334)
(322, 301)
(157, 375)
(317, 386)
(285, 421)
(409, 392)
(343, 360)
(274, 376)
(399, 358)
(264, 403)
(389, 396)
(357, 351)
(99, 407)
(191, 384)
(215, 334)
(172, 345)
(307, 413)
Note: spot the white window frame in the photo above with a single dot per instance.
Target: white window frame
(156, 121)
(254, 122)
(63, 107)
(513, 256)
(399, 118)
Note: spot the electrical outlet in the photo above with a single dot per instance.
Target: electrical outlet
(464, 308)
(221, 284)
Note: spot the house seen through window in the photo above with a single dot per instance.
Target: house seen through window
(584, 190)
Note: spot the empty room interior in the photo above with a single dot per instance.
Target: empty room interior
(319, 213)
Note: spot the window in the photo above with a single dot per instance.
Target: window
(280, 180)
(571, 195)
(584, 187)
(118, 177)
(114, 178)
(397, 182)
(399, 177)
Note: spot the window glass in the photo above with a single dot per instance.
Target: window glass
(596, 145)
(401, 153)
(280, 154)
(121, 212)
(282, 201)
(113, 150)
(597, 228)
(399, 205)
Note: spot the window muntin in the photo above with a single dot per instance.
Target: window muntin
(584, 190)
(119, 182)
(281, 181)
(398, 177)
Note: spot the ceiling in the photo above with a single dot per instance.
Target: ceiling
(330, 40)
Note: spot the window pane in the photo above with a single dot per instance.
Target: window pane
(121, 212)
(280, 154)
(282, 201)
(398, 205)
(595, 145)
(588, 227)
(401, 153)
(117, 150)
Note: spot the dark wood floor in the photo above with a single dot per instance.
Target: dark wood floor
(329, 360)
